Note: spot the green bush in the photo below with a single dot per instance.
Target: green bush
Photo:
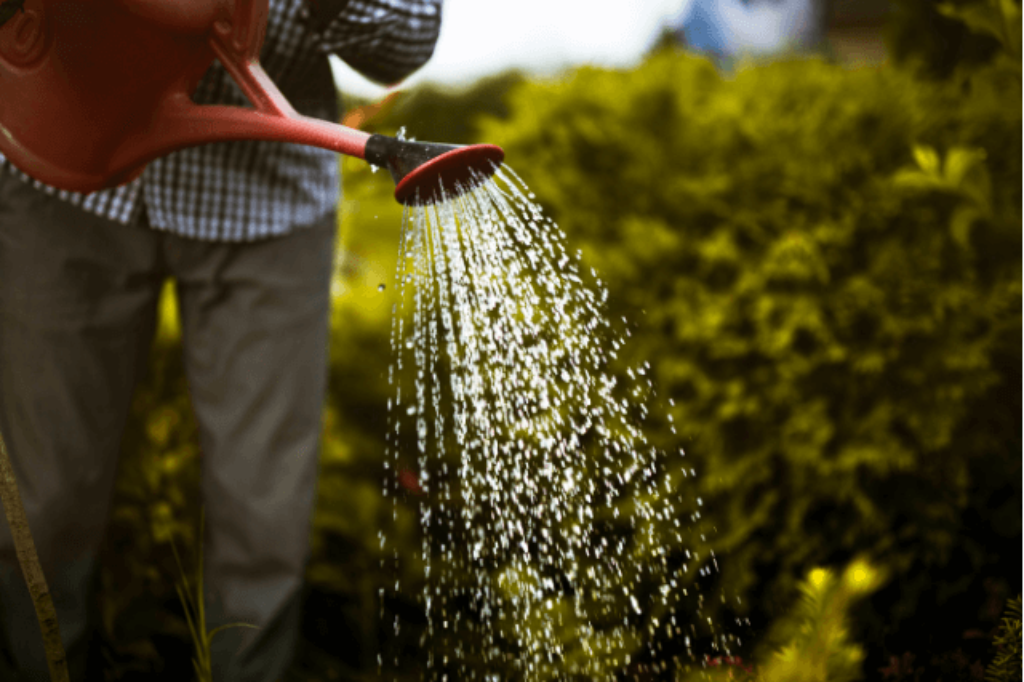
(824, 269)
(436, 114)
(822, 265)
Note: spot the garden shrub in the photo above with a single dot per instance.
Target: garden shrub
(823, 266)
(822, 269)
(444, 114)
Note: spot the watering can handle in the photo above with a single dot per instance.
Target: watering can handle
(179, 122)
(238, 59)
(237, 46)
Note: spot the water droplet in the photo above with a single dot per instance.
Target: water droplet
(381, 287)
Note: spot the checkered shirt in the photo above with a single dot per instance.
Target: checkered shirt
(249, 190)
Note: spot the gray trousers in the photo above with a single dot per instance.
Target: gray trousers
(78, 299)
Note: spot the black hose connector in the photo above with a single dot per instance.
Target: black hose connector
(401, 157)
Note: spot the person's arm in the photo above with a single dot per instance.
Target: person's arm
(384, 40)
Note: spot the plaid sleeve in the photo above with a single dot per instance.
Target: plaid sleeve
(385, 40)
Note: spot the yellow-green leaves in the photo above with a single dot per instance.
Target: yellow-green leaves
(1000, 19)
(818, 647)
(962, 174)
(821, 265)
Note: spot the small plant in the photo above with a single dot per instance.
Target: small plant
(1006, 667)
(814, 638)
(819, 648)
(195, 613)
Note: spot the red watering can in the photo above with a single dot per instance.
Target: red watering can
(92, 90)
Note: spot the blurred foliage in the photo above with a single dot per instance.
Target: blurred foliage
(822, 267)
(435, 114)
(936, 38)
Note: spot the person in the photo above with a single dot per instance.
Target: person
(246, 229)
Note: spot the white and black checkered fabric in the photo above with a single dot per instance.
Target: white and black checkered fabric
(248, 190)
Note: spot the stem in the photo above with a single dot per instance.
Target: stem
(30, 568)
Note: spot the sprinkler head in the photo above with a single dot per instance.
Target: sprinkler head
(421, 169)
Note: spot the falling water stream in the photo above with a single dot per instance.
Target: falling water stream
(540, 506)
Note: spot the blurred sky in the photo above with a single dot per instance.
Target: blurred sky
(481, 37)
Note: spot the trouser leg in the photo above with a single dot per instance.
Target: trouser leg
(255, 327)
(77, 308)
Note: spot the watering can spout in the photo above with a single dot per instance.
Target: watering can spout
(179, 123)
(87, 99)
(424, 171)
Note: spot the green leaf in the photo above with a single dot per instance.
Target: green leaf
(960, 162)
(927, 159)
